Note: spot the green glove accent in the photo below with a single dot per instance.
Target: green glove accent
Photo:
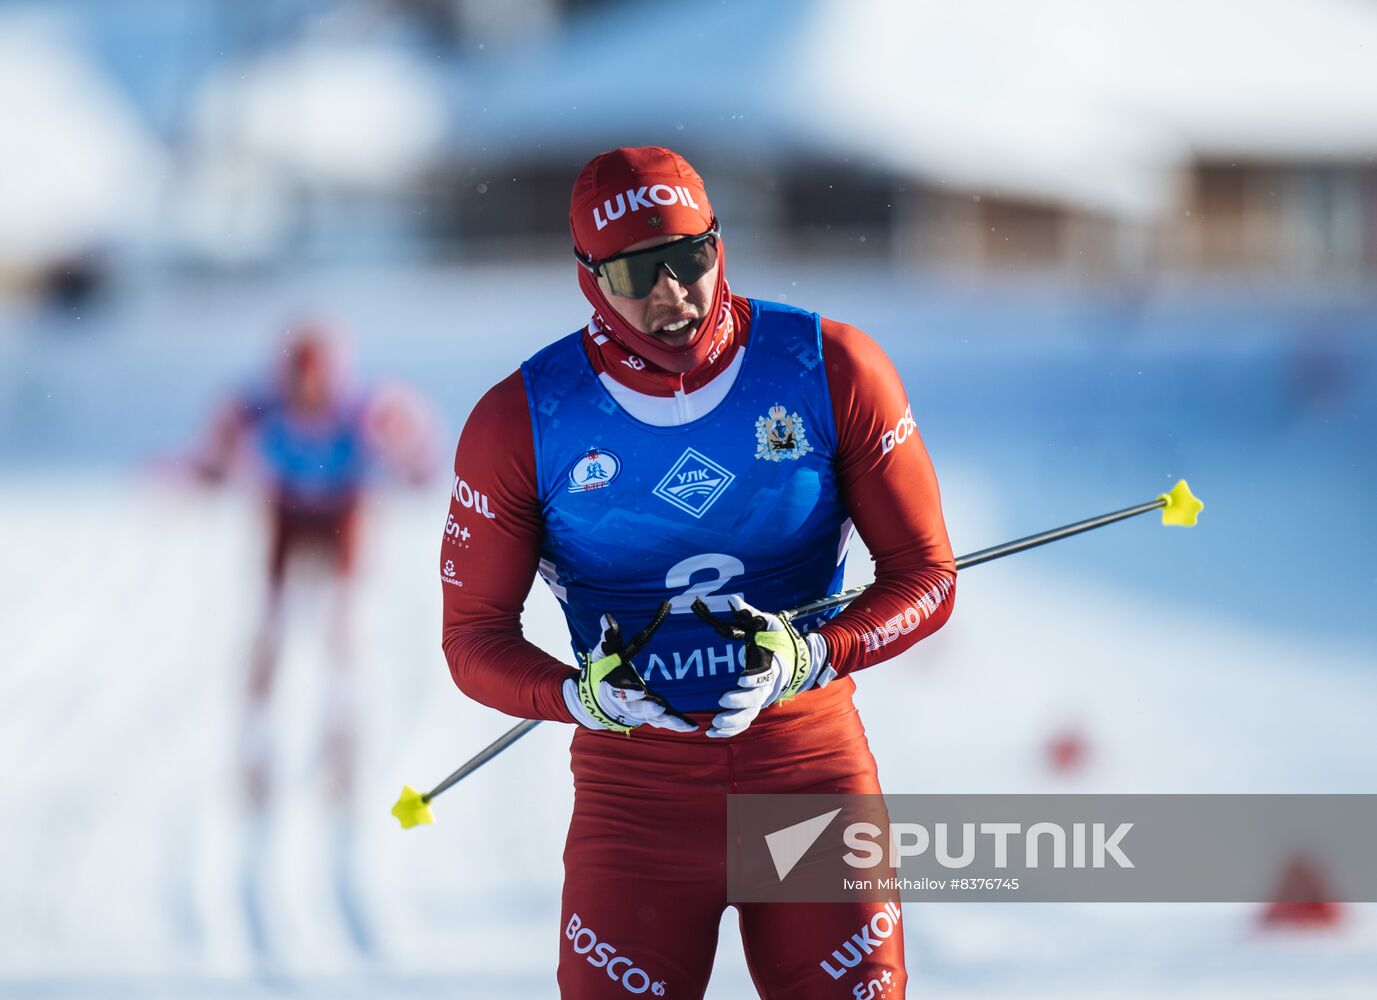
(764, 644)
(594, 672)
(790, 647)
(616, 669)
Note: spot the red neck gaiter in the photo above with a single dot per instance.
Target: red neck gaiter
(608, 355)
(627, 195)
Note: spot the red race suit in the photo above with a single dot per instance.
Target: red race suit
(645, 859)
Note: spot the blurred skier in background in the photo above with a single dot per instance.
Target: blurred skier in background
(315, 443)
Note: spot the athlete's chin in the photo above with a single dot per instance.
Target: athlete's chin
(680, 338)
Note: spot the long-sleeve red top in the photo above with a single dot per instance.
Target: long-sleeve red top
(887, 483)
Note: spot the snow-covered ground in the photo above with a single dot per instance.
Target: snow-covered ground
(1237, 657)
(128, 608)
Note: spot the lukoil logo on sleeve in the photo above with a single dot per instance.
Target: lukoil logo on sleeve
(466, 496)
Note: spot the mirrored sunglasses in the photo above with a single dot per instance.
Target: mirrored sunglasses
(633, 275)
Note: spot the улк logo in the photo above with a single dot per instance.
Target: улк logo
(593, 471)
(694, 483)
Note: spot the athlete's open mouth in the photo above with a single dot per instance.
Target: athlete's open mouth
(676, 328)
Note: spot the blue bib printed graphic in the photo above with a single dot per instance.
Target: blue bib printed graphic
(741, 501)
(595, 470)
(694, 483)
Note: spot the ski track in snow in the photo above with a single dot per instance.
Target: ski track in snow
(129, 869)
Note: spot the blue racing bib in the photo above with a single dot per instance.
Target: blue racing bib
(741, 501)
(315, 463)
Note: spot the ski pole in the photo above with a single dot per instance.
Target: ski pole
(1179, 508)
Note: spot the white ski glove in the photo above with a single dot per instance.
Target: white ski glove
(608, 692)
(780, 663)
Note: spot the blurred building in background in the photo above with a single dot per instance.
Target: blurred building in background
(1106, 243)
(1088, 141)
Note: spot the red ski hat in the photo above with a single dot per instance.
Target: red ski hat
(313, 362)
(630, 194)
(627, 195)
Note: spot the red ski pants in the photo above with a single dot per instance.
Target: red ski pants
(645, 867)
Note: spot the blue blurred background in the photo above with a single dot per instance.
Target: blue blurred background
(1108, 244)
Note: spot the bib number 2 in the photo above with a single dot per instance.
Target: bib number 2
(722, 568)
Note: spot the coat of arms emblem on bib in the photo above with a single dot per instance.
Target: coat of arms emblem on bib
(779, 435)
